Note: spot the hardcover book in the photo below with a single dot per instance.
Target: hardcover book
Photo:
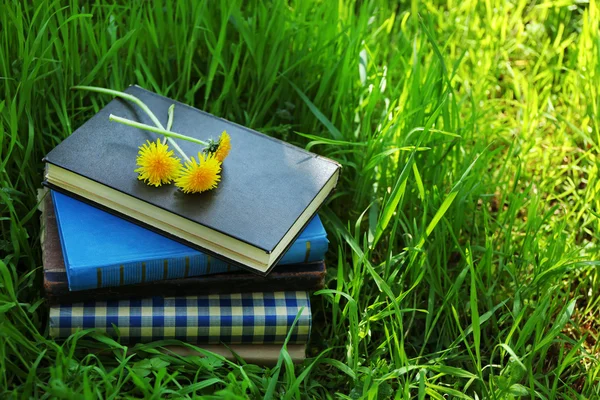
(102, 250)
(269, 189)
(241, 318)
(261, 354)
(308, 276)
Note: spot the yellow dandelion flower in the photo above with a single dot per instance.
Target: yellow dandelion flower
(198, 177)
(156, 162)
(224, 147)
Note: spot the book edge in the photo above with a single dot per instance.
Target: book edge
(262, 354)
(152, 228)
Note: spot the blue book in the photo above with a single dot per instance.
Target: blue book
(102, 250)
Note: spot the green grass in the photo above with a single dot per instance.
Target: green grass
(465, 228)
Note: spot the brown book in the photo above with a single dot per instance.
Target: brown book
(261, 354)
(307, 277)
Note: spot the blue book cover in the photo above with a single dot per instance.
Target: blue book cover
(248, 318)
(102, 250)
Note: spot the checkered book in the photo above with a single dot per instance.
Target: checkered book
(220, 318)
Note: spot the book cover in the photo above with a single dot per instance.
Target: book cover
(102, 250)
(269, 189)
(239, 318)
(308, 276)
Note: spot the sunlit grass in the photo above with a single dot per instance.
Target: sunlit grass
(464, 232)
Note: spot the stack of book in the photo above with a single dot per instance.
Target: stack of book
(226, 270)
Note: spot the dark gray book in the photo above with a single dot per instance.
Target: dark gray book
(269, 189)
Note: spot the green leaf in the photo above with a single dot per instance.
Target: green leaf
(335, 133)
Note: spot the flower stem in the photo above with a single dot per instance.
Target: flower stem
(151, 128)
(141, 105)
(170, 120)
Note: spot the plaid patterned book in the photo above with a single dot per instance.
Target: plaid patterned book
(242, 318)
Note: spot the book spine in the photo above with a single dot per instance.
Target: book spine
(261, 354)
(242, 318)
(310, 279)
(302, 251)
(148, 271)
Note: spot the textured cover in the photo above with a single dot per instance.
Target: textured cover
(285, 277)
(265, 317)
(266, 183)
(103, 250)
